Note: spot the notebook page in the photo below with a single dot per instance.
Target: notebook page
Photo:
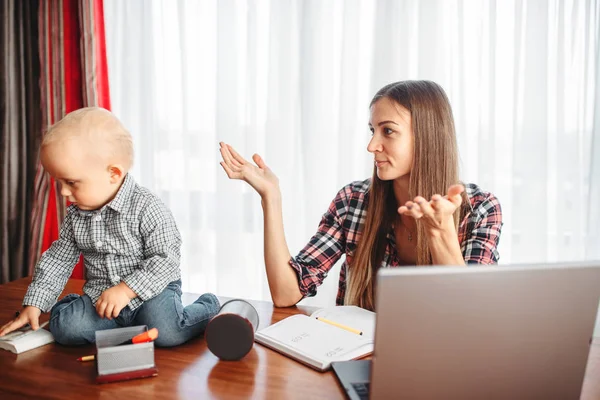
(26, 339)
(38, 338)
(316, 339)
(350, 316)
(20, 333)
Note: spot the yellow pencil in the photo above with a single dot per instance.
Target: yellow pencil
(87, 358)
(340, 325)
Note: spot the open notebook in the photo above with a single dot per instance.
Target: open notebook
(317, 343)
(26, 339)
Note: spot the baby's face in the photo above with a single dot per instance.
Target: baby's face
(84, 179)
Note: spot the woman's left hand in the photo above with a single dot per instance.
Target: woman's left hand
(437, 213)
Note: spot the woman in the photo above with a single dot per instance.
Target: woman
(396, 218)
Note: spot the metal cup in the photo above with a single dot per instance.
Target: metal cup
(230, 334)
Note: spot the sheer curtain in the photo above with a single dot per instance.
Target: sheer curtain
(593, 220)
(292, 80)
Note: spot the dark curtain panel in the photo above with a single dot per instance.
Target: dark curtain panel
(20, 130)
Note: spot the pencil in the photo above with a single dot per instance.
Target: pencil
(340, 325)
(87, 358)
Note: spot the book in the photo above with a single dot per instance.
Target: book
(340, 333)
(26, 339)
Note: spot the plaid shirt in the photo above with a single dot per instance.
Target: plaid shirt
(132, 239)
(341, 228)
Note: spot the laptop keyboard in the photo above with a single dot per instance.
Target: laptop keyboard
(362, 389)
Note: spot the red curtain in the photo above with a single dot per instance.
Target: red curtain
(74, 74)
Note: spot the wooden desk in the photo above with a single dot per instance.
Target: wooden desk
(189, 371)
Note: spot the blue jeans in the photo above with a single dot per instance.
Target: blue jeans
(74, 320)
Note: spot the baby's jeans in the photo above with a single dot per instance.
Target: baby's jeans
(74, 320)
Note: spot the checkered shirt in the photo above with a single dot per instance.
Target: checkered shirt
(132, 239)
(341, 228)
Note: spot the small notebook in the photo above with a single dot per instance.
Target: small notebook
(26, 339)
(316, 343)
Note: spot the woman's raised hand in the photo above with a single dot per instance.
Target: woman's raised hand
(437, 213)
(259, 176)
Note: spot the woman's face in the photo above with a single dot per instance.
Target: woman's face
(393, 140)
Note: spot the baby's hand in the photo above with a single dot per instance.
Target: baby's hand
(113, 300)
(30, 315)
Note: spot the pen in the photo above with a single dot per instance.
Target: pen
(340, 325)
(143, 337)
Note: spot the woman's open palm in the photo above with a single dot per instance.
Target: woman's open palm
(259, 176)
(436, 213)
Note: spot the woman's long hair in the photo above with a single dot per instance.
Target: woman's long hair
(434, 169)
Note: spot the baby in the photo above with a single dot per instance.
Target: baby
(128, 237)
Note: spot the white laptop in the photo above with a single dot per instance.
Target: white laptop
(502, 332)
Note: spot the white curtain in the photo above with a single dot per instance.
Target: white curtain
(593, 217)
(292, 81)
